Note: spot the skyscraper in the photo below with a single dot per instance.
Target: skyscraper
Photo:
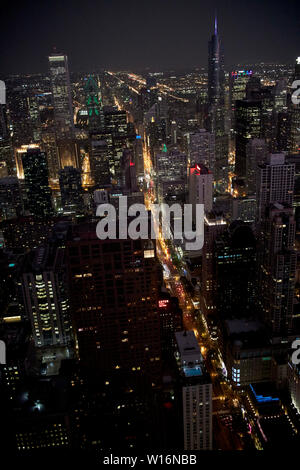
(294, 140)
(216, 103)
(63, 110)
(276, 254)
(274, 183)
(247, 126)
(94, 104)
(201, 148)
(114, 293)
(11, 204)
(36, 181)
(278, 268)
(256, 153)
(71, 189)
(45, 296)
(200, 186)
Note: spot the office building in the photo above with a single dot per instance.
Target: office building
(71, 189)
(45, 296)
(35, 168)
(274, 183)
(63, 109)
(256, 153)
(277, 268)
(11, 204)
(200, 187)
(247, 126)
(100, 162)
(201, 148)
(114, 293)
(216, 104)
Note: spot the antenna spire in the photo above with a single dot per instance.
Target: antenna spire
(216, 24)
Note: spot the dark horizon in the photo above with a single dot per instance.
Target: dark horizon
(167, 36)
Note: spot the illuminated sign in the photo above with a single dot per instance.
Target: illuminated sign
(163, 303)
(241, 73)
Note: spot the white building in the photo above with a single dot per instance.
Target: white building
(196, 393)
(200, 185)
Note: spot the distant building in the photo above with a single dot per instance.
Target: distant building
(201, 148)
(71, 189)
(256, 153)
(200, 187)
(63, 109)
(247, 126)
(11, 204)
(99, 162)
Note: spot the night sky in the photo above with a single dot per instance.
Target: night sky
(136, 34)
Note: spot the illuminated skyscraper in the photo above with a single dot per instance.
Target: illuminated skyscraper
(201, 148)
(247, 126)
(71, 189)
(45, 296)
(36, 181)
(256, 153)
(294, 140)
(216, 103)
(63, 110)
(94, 104)
(276, 254)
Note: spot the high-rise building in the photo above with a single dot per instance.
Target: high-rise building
(196, 393)
(277, 263)
(256, 153)
(235, 271)
(100, 161)
(294, 110)
(35, 169)
(71, 189)
(247, 126)
(238, 80)
(214, 225)
(10, 197)
(201, 148)
(216, 103)
(45, 296)
(114, 293)
(94, 104)
(171, 174)
(274, 183)
(200, 187)
(63, 109)
(276, 254)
